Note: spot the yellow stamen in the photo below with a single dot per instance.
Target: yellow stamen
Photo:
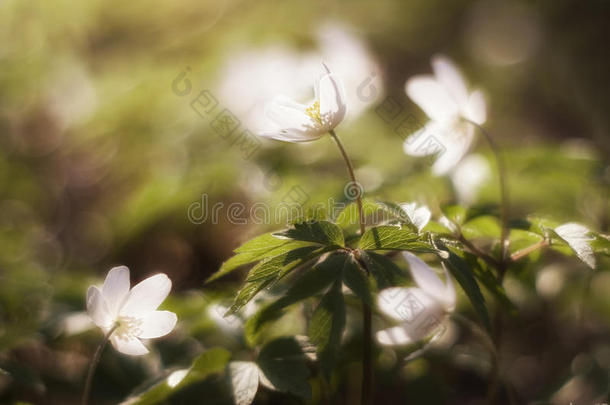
(314, 112)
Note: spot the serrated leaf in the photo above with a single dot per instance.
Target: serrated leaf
(356, 280)
(254, 250)
(601, 244)
(283, 368)
(388, 237)
(326, 328)
(349, 218)
(247, 292)
(323, 232)
(310, 283)
(488, 280)
(210, 362)
(243, 379)
(464, 275)
(386, 272)
(271, 267)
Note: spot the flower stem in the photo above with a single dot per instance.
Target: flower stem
(367, 327)
(350, 170)
(504, 204)
(94, 362)
(524, 252)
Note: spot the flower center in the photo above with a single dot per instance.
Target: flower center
(313, 111)
(129, 327)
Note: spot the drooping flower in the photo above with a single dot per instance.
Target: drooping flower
(445, 99)
(295, 122)
(418, 215)
(420, 310)
(133, 312)
(579, 238)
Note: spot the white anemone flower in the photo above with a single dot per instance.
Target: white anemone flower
(445, 99)
(420, 310)
(418, 215)
(579, 238)
(295, 122)
(132, 312)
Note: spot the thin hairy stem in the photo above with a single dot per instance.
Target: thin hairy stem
(94, 362)
(350, 170)
(504, 203)
(367, 327)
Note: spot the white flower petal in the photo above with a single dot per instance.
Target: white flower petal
(418, 216)
(427, 141)
(475, 109)
(244, 377)
(128, 345)
(146, 296)
(157, 324)
(468, 177)
(97, 308)
(431, 97)
(427, 279)
(427, 323)
(450, 78)
(332, 100)
(579, 238)
(456, 143)
(404, 304)
(291, 122)
(116, 288)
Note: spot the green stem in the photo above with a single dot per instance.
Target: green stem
(367, 327)
(94, 362)
(504, 203)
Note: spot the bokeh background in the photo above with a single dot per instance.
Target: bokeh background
(104, 160)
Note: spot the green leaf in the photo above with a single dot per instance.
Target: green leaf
(388, 237)
(386, 272)
(256, 249)
(601, 244)
(243, 379)
(283, 367)
(270, 274)
(310, 283)
(326, 328)
(463, 273)
(323, 232)
(247, 292)
(270, 267)
(482, 227)
(210, 362)
(349, 218)
(487, 278)
(356, 280)
(456, 213)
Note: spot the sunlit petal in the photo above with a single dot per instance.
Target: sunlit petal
(128, 345)
(157, 324)
(432, 97)
(475, 109)
(97, 308)
(116, 288)
(450, 78)
(332, 100)
(146, 296)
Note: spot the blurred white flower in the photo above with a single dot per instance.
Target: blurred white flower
(468, 177)
(419, 216)
(295, 122)
(579, 238)
(253, 76)
(421, 309)
(444, 97)
(133, 312)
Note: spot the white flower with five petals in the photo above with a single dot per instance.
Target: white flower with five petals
(445, 99)
(133, 313)
(420, 310)
(295, 122)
